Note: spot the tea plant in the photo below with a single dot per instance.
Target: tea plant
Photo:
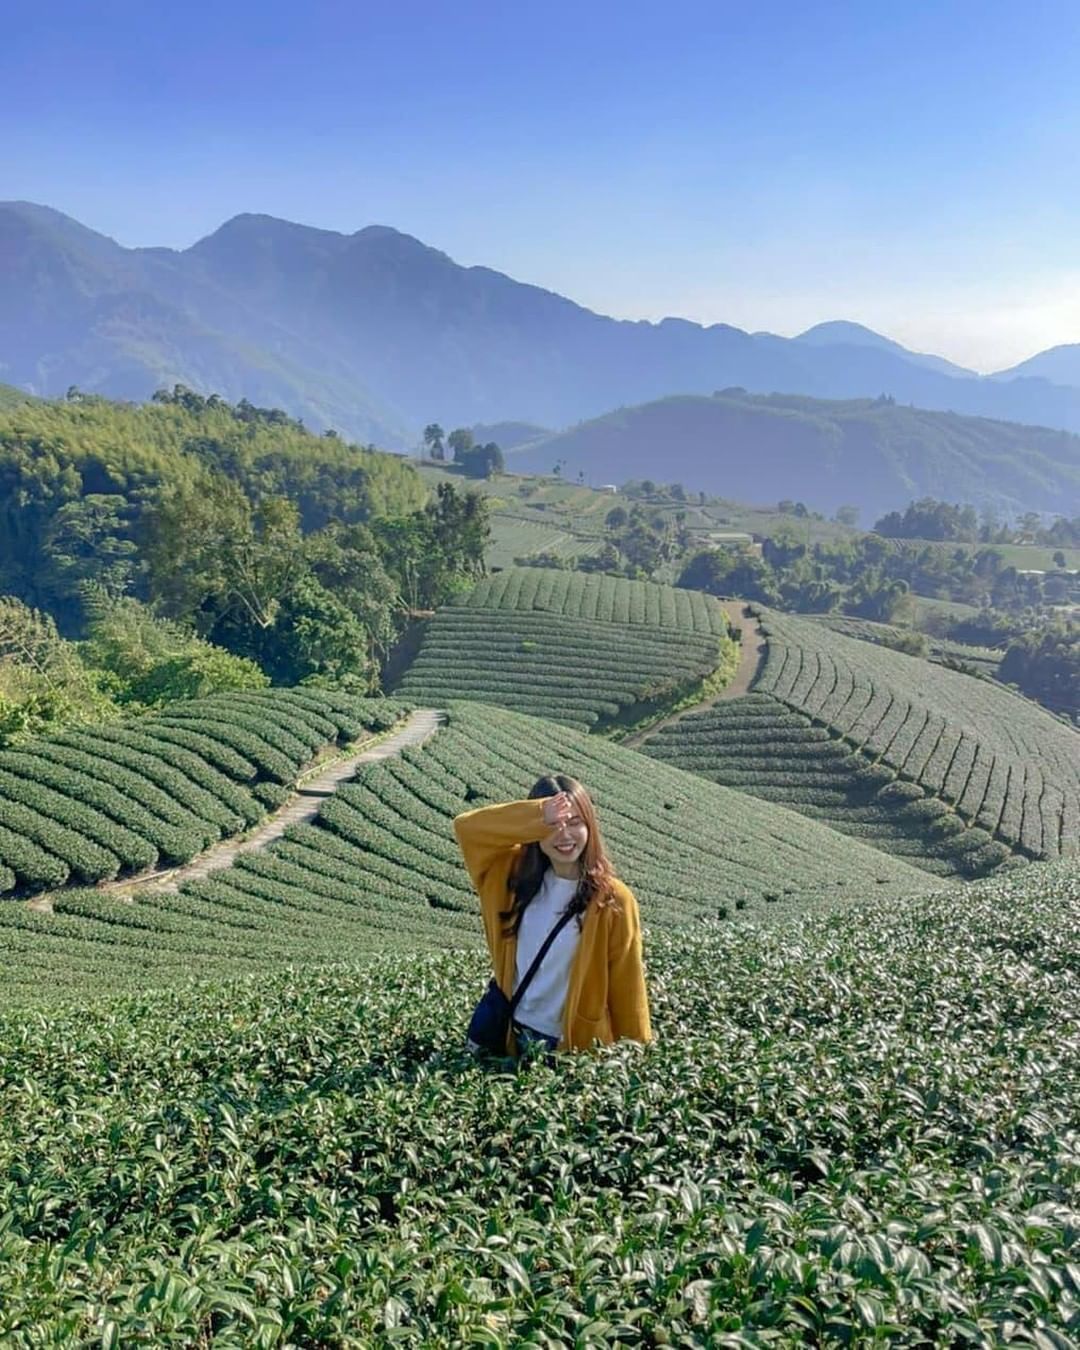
(581, 672)
(91, 804)
(855, 1128)
(379, 868)
(952, 772)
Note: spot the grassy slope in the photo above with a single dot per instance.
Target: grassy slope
(827, 707)
(849, 1131)
(379, 869)
(11, 397)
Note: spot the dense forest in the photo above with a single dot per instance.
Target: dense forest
(174, 548)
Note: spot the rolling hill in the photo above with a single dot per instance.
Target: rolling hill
(379, 867)
(869, 453)
(952, 772)
(583, 650)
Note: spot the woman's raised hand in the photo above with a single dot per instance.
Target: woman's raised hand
(558, 809)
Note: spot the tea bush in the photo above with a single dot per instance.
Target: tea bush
(857, 735)
(858, 1128)
(379, 867)
(92, 803)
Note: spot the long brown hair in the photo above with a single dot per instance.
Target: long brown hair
(532, 862)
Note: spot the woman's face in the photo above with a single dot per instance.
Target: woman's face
(566, 843)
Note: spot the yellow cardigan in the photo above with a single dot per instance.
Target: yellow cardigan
(606, 998)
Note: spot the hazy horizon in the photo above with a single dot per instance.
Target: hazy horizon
(907, 171)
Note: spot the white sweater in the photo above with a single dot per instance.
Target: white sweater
(542, 1005)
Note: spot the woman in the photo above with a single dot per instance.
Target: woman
(529, 860)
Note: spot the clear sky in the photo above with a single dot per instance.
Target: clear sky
(911, 166)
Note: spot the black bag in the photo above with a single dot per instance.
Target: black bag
(489, 1025)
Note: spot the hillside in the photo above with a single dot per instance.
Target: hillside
(848, 1129)
(98, 802)
(583, 650)
(931, 764)
(379, 867)
(374, 334)
(868, 453)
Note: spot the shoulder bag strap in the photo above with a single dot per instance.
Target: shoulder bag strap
(563, 921)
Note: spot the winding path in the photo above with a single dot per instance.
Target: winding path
(751, 655)
(421, 724)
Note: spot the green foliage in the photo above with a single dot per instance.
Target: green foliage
(380, 858)
(94, 803)
(1006, 764)
(43, 684)
(1046, 666)
(840, 1152)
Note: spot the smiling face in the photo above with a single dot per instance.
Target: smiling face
(565, 845)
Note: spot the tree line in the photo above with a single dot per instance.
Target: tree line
(209, 535)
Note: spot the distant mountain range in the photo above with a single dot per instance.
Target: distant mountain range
(869, 453)
(376, 334)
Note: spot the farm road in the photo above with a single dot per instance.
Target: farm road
(421, 724)
(751, 655)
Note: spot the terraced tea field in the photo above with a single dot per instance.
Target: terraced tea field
(378, 869)
(600, 598)
(851, 1130)
(577, 649)
(98, 802)
(949, 771)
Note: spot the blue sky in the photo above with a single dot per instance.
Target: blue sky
(911, 167)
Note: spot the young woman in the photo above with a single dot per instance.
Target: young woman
(528, 861)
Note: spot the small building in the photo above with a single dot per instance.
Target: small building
(739, 541)
(607, 487)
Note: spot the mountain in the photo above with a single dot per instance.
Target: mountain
(508, 435)
(376, 334)
(1061, 365)
(871, 453)
(840, 333)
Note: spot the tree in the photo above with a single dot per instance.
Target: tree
(847, 515)
(1060, 560)
(433, 439)
(461, 442)
(212, 554)
(89, 540)
(616, 518)
(43, 684)
(482, 461)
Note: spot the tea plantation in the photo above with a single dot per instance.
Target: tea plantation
(858, 1128)
(379, 867)
(570, 647)
(600, 597)
(96, 802)
(951, 772)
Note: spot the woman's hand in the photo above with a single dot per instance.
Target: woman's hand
(558, 809)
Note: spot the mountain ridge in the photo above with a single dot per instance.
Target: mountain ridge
(376, 333)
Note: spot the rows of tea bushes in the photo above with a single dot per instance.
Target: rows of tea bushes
(91, 804)
(927, 764)
(978, 660)
(379, 867)
(857, 1129)
(996, 761)
(762, 746)
(599, 597)
(579, 671)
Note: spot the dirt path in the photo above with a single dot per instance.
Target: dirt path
(421, 725)
(751, 655)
